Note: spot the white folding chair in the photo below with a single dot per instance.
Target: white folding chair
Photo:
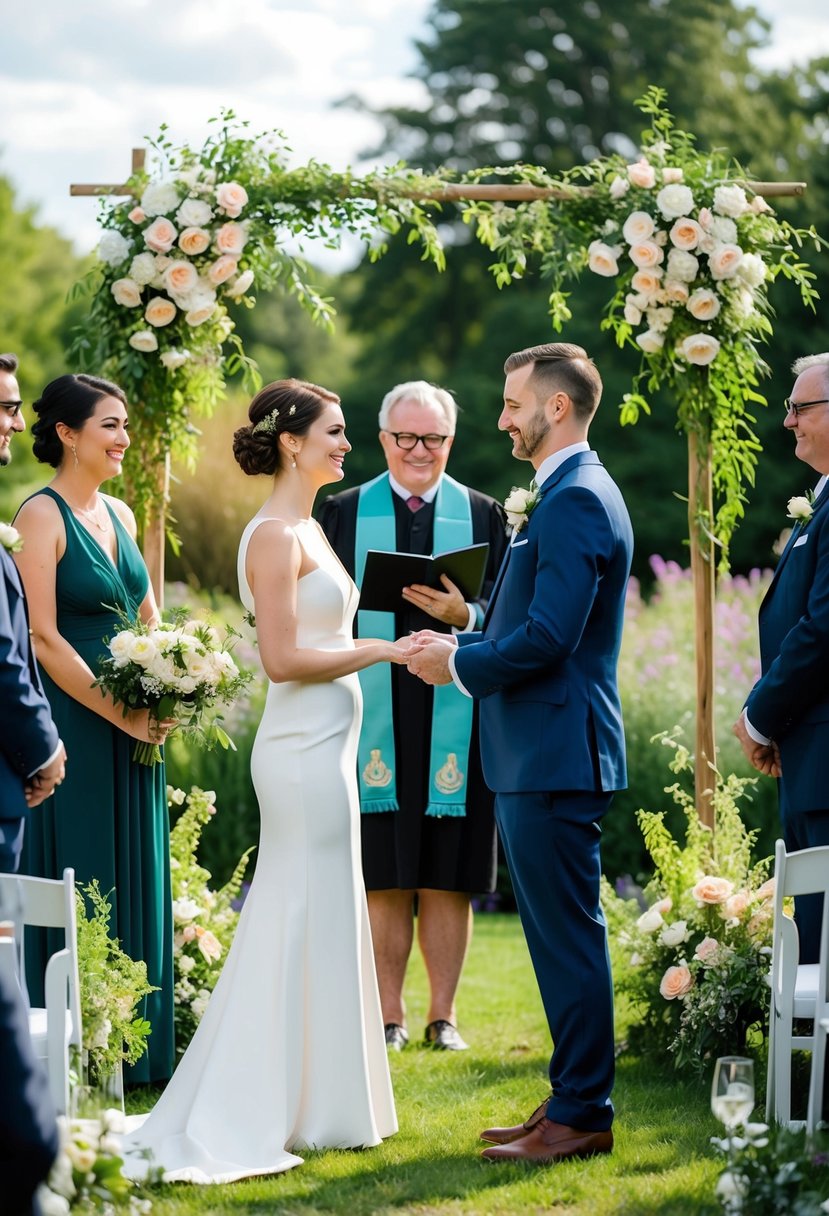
(798, 990)
(55, 1029)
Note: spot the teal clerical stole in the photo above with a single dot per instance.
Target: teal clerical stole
(451, 711)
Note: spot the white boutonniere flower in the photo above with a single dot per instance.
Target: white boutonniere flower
(10, 538)
(518, 504)
(800, 508)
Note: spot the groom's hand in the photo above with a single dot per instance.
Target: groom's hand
(765, 757)
(431, 662)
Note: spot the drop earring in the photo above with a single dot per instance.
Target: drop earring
(75, 455)
(293, 460)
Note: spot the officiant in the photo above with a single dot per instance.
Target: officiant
(427, 825)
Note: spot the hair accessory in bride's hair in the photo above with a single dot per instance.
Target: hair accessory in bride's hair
(268, 423)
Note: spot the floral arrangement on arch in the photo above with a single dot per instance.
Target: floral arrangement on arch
(204, 919)
(694, 963)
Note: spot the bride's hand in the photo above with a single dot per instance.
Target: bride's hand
(401, 650)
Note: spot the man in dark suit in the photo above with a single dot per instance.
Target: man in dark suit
(31, 763)
(784, 727)
(543, 668)
(427, 822)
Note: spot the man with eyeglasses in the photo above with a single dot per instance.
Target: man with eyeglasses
(427, 824)
(784, 727)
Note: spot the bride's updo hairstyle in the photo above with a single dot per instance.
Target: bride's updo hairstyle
(71, 400)
(286, 406)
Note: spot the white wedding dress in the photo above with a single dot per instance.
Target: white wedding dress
(290, 1053)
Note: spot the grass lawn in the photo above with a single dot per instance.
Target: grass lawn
(662, 1162)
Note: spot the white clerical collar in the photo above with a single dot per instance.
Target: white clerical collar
(549, 466)
(402, 492)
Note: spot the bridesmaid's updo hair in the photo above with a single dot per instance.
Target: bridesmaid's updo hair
(71, 400)
(289, 406)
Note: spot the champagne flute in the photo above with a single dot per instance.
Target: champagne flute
(732, 1090)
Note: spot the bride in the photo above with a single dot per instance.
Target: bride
(290, 1053)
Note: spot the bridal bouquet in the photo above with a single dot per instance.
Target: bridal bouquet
(177, 669)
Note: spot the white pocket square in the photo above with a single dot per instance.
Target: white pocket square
(801, 540)
(515, 543)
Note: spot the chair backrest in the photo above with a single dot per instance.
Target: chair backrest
(47, 903)
(805, 872)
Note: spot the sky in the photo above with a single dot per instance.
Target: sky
(82, 83)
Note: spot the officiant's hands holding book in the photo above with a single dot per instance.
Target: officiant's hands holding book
(448, 605)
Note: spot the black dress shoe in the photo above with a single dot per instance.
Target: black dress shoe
(443, 1036)
(396, 1036)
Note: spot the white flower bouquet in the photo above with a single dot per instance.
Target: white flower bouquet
(178, 669)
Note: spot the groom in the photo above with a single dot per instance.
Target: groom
(544, 670)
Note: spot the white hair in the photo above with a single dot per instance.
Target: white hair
(800, 365)
(423, 393)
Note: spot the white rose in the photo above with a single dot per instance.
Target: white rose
(642, 174)
(650, 921)
(119, 646)
(632, 314)
(659, 319)
(723, 230)
(144, 340)
(724, 261)
(186, 964)
(675, 200)
(239, 286)
(646, 255)
(686, 234)
(113, 248)
(159, 198)
(731, 200)
(602, 259)
(231, 198)
(194, 213)
(186, 684)
(638, 227)
(185, 910)
(701, 349)
(619, 187)
(752, 270)
(675, 934)
(142, 650)
(126, 292)
(703, 304)
(143, 269)
(650, 341)
(173, 359)
(682, 265)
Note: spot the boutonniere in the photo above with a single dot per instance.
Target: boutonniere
(518, 504)
(10, 538)
(801, 508)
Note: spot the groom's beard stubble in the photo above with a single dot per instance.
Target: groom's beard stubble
(531, 440)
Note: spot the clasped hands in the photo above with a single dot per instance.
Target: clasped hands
(426, 654)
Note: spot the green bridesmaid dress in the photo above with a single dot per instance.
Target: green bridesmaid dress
(108, 819)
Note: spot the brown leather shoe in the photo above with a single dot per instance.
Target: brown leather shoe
(505, 1135)
(549, 1142)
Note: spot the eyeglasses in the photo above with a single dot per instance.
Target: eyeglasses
(12, 407)
(408, 442)
(795, 407)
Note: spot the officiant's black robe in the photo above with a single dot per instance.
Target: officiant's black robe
(406, 849)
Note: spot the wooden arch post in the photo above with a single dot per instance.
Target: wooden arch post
(700, 480)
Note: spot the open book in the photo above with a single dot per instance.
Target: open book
(386, 574)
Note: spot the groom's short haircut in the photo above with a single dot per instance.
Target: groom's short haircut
(8, 363)
(562, 367)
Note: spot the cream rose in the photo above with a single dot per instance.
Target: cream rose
(731, 200)
(676, 983)
(675, 291)
(669, 176)
(160, 236)
(647, 281)
(650, 921)
(735, 906)
(137, 215)
(143, 340)
(200, 313)
(619, 187)
(703, 304)
(638, 227)
(650, 341)
(180, 277)
(766, 891)
(160, 312)
(194, 213)
(682, 265)
(632, 314)
(602, 259)
(707, 949)
(724, 261)
(674, 201)
(759, 205)
(126, 292)
(159, 198)
(173, 359)
(675, 934)
(700, 349)
(646, 255)
(185, 910)
(686, 233)
(240, 285)
(222, 269)
(142, 650)
(193, 241)
(231, 238)
(712, 890)
(231, 198)
(642, 174)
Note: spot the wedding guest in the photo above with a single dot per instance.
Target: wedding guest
(544, 668)
(428, 834)
(80, 565)
(784, 726)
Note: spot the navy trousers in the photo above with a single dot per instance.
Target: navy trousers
(551, 842)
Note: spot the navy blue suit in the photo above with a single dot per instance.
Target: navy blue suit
(552, 741)
(790, 701)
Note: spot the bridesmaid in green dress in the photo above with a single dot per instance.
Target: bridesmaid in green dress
(79, 562)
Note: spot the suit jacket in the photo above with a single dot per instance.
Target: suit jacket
(790, 701)
(544, 665)
(28, 736)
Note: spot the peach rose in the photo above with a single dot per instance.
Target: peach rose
(188, 932)
(237, 289)
(650, 341)
(231, 238)
(735, 905)
(638, 227)
(706, 217)
(686, 233)
(619, 187)
(200, 313)
(160, 312)
(180, 277)
(709, 889)
(143, 340)
(703, 304)
(160, 236)
(700, 349)
(767, 889)
(676, 982)
(675, 291)
(642, 174)
(602, 259)
(664, 905)
(646, 255)
(137, 215)
(707, 949)
(231, 198)
(222, 269)
(724, 261)
(647, 281)
(208, 944)
(194, 241)
(126, 292)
